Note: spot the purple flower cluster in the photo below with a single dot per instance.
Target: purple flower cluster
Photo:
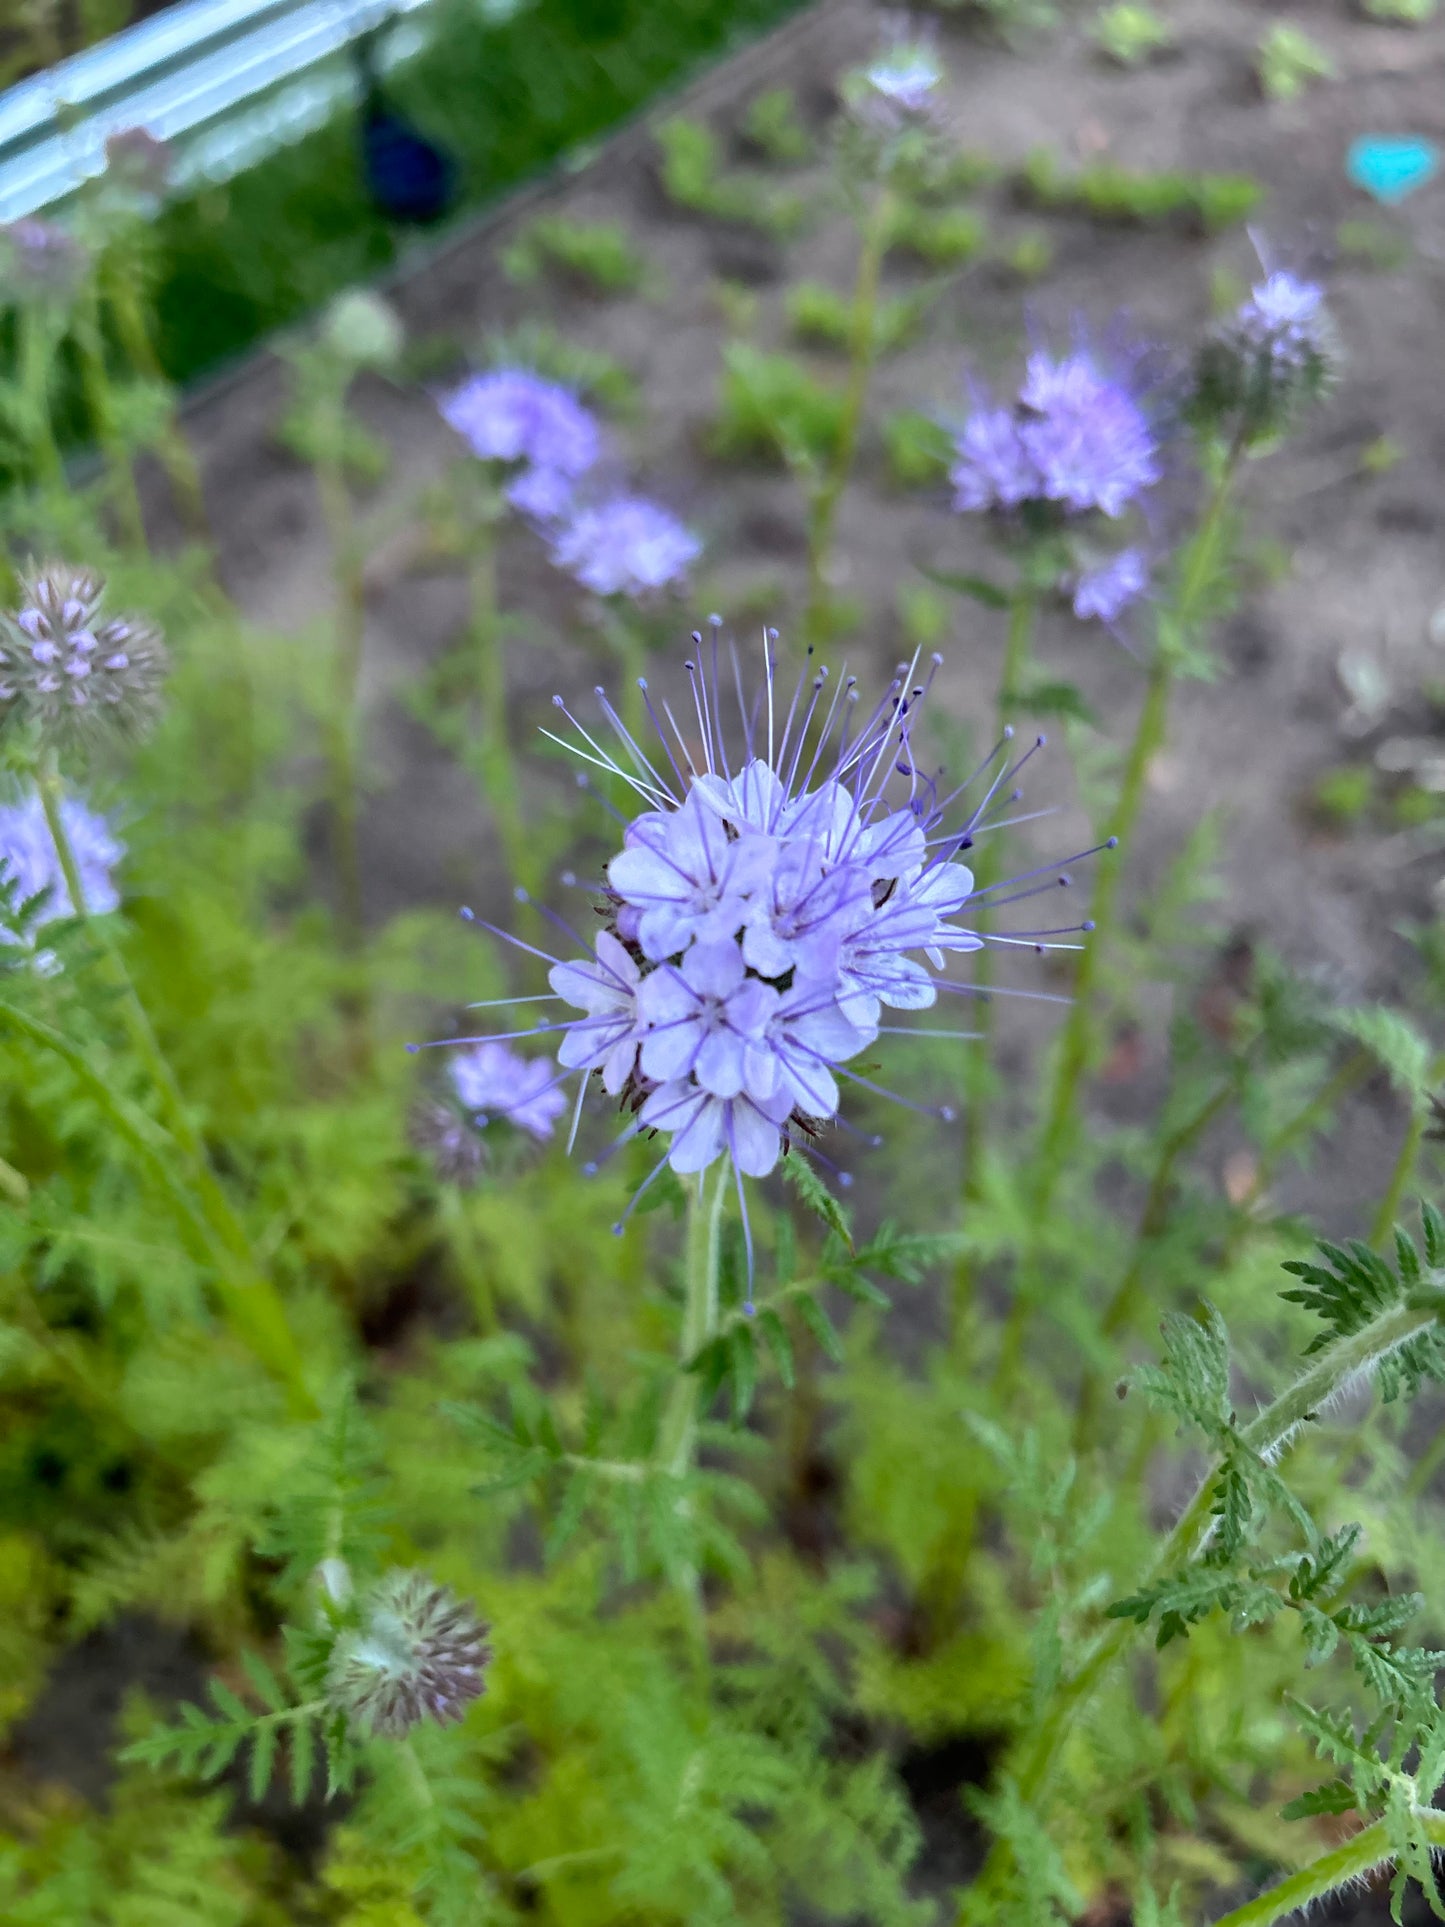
(536, 426)
(30, 866)
(1286, 319)
(492, 1081)
(899, 87)
(66, 671)
(765, 910)
(1077, 438)
(629, 546)
(41, 261)
(1104, 590)
(1276, 353)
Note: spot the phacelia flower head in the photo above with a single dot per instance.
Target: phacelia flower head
(1077, 441)
(138, 163)
(780, 888)
(893, 108)
(491, 1080)
(67, 672)
(40, 261)
(1276, 354)
(450, 1141)
(1104, 590)
(30, 867)
(626, 547)
(418, 1653)
(537, 426)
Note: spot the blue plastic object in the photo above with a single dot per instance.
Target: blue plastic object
(1392, 166)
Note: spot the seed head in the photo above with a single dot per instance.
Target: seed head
(418, 1653)
(69, 674)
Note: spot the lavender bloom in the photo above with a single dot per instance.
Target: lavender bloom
(68, 673)
(41, 261)
(768, 904)
(492, 1080)
(629, 547)
(449, 1140)
(1088, 437)
(1276, 353)
(899, 86)
(1103, 592)
(994, 469)
(515, 416)
(30, 866)
(1077, 439)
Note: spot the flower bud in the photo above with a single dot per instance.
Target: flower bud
(70, 674)
(418, 1652)
(1274, 356)
(363, 330)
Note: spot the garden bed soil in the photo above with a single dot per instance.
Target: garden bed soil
(1366, 558)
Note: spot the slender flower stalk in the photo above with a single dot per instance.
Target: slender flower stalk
(1041, 1752)
(1179, 627)
(99, 394)
(495, 766)
(1123, 1307)
(1408, 1157)
(1340, 1867)
(343, 721)
(862, 353)
(677, 1434)
(988, 869)
(121, 285)
(38, 334)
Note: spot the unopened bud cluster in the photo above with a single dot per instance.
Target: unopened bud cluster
(66, 672)
(417, 1652)
(1273, 357)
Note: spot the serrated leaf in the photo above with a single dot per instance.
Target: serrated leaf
(821, 1326)
(816, 1196)
(976, 587)
(1334, 1797)
(1053, 699)
(743, 1357)
(775, 1334)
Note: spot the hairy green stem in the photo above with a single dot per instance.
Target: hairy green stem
(862, 352)
(988, 868)
(494, 756)
(95, 379)
(1041, 1753)
(36, 344)
(677, 1435)
(1360, 1855)
(343, 723)
(1123, 1306)
(1404, 1166)
(122, 291)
